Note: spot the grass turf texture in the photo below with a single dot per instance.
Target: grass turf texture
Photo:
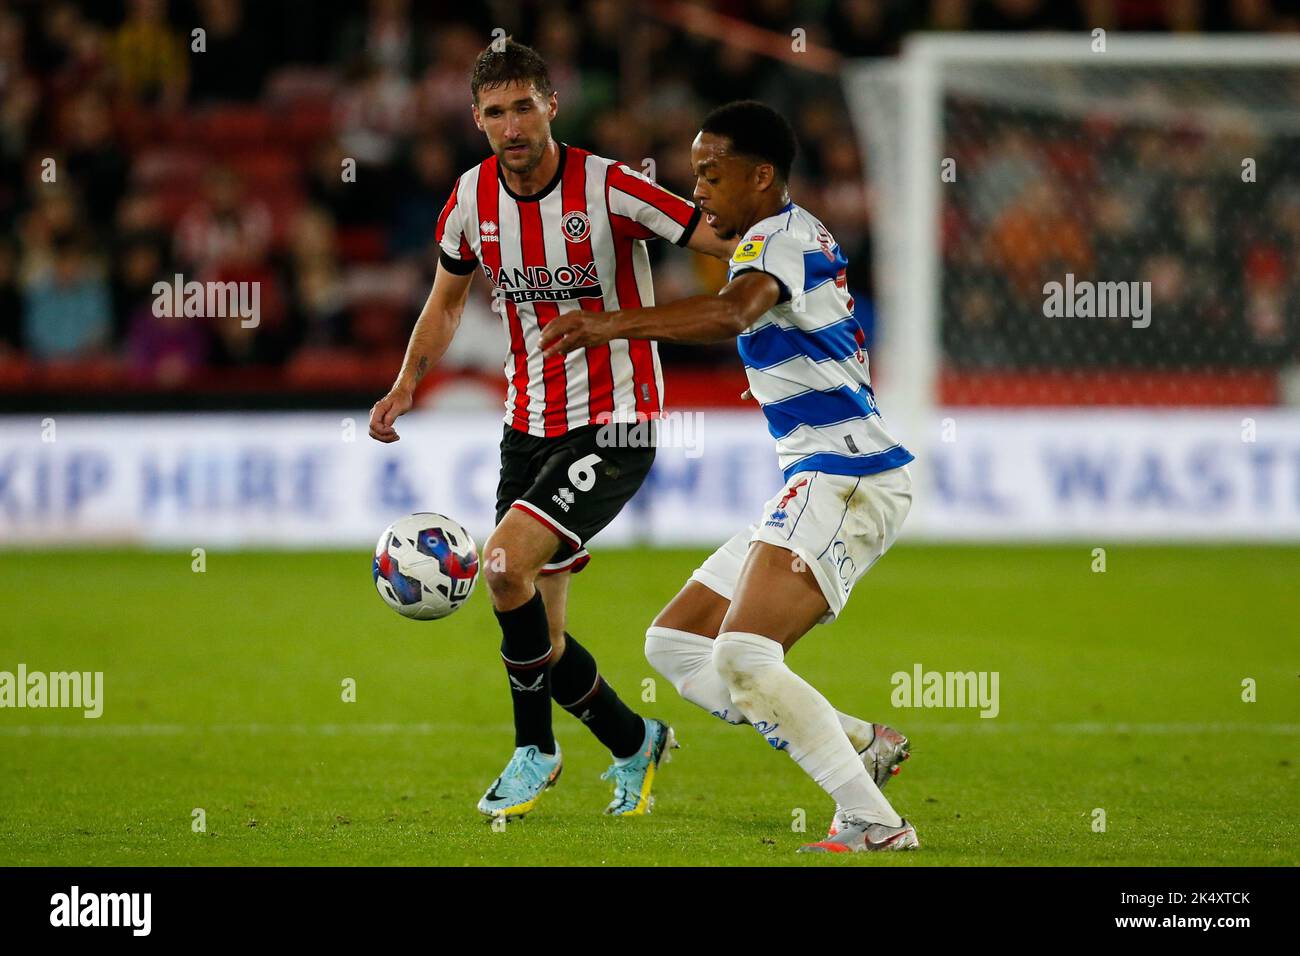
(1119, 690)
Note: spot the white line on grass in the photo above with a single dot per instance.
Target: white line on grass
(427, 729)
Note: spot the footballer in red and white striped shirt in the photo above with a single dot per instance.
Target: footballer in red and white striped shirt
(554, 229)
(576, 243)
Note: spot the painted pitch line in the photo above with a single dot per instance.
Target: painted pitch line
(428, 729)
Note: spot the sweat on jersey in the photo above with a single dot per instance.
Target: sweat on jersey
(577, 244)
(805, 357)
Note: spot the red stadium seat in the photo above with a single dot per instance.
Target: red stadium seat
(266, 169)
(377, 326)
(342, 369)
(227, 126)
(294, 85)
(362, 244)
(165, 167)
(306, 125)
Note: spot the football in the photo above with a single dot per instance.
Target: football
(425, 566)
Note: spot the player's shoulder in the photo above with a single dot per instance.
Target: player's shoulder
(786, 232)
(789, 235)
(467, 182)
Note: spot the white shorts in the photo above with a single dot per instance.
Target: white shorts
(839, 525)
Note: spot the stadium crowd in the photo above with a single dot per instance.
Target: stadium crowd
(127, 156)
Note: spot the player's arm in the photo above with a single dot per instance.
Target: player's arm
(659, 212)
(433, 332)
(703, 240)
(700, 318)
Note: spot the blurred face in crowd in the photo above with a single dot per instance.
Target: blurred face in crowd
(729, 188)
(517, 120)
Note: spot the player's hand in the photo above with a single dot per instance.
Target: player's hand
(386, 411)
(575, 330)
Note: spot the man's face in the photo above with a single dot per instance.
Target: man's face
(728, 187)
(517, 121)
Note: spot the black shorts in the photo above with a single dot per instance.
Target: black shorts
(571, 484)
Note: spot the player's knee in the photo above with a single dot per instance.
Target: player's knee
(506, 577)
(741, 658)
(731, 661)
(665, 655)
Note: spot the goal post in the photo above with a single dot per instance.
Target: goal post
(1023, 185)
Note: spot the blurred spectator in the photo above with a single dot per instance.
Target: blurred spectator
(113, 94)
(224, 224)
(374, 112)
(68, 307)
(141, 263)
(427, 179)
(95, 161)
(164, 350)
(149, 58)
(386, 36)
(235, 61)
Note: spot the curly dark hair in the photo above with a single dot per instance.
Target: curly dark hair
(756, 130)
(514, 61)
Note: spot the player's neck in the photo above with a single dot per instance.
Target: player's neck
(768, 207)
(534, 181)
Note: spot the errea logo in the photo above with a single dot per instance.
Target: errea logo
(487, 230)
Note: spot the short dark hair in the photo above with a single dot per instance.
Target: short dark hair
(499, 65)
(756, 130)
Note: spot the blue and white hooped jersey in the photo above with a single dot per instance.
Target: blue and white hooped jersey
(806, 358)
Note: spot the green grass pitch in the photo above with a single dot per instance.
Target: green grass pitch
(1119, 691)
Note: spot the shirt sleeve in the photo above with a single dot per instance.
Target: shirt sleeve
(454, 251)
(778, 255)
(650, 209)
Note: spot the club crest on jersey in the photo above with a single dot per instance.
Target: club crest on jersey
(487, 231)
(576, 225)
(749, 250)
(541, 284)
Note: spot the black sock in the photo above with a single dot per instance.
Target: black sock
(526, 651)
(578, 687)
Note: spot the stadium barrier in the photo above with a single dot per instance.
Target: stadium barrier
(307, 480)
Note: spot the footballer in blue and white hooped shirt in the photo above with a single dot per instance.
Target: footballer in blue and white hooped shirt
(722, 640)
(805, 357)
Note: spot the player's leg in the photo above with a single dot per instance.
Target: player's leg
(580, 487)
(512, 557)
(519, 547)
(679, 645)
(775, 604)
(577, 684)
(516, 551)
(823, 535)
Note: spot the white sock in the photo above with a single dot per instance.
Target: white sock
(686, 659)
(793, 716)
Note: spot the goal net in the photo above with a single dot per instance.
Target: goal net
(1085, 220)
(1062, 223)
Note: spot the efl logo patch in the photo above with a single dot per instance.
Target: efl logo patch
(750, 250)
(576, 225)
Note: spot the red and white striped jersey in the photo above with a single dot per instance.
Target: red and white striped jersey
(577, 244)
